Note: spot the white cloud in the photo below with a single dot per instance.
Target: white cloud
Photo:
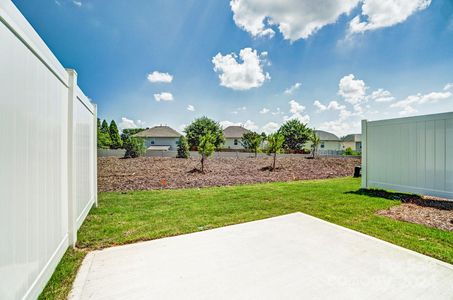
(448, 86)
(163, 97)
(277, 112)
(243, 72)
(293, 88)
(264, 111)
(250, 125)
(77, 3)
(352, 90)
(333, 105)
(270, 127)
(126, 124)
(384, 13)
(381, 95)
(158, 77)
(346, 123)
(407, 105)
(295, 19)
(296, 110)
(190, 108)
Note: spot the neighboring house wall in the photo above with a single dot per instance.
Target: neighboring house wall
(48, 168)
(412, 155)
(161, 141)
(325, 145)
(233, 143)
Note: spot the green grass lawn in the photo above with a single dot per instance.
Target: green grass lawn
(123, 218)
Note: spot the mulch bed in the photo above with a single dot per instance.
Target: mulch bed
(429, 216)
(147, 173)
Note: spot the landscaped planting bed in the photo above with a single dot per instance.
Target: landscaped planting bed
(146, 173)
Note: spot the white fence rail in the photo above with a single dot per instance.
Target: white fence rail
(412, 155)
(47, 158)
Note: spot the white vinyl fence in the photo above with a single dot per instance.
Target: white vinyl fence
(412, 155)
(47, 158)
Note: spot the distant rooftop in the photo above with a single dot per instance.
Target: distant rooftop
(234, 132)
(352, 138)
(326, 136)
(159, 131)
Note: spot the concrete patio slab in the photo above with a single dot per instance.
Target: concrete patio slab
(289, 257)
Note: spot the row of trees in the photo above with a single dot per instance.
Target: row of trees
(206, 136)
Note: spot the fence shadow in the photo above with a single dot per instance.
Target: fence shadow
(405, 198)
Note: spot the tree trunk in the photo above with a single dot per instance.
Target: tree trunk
(202, 163)
(256, 153)
(273, 164)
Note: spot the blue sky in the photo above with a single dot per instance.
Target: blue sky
(169, 61)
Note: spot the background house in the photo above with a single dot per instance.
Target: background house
(353, 141)
(233, 136)
(329, 141)
(159, 138)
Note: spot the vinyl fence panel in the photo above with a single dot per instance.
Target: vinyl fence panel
(34, 156)
(412, 154)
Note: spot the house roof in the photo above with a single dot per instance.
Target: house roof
(352, 138)
(326, 136)
(158, 131)
(234, 132)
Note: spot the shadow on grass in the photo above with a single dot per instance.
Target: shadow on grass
(405, 198)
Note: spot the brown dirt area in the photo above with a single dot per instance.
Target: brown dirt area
(429, 216)
(147, 173)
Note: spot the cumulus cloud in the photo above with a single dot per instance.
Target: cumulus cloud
(381, 95)
(407, 105)
(351, 89)
(296, 109)
(378, 13)
(264, 111)
(249, 124)
(243, 72)
(295, 19)
(270, 127)
(332, 105)
(163, 97)
(277, 112)
(190, 108)
(130, 124)
(77, 3)
(158, 77)
(347, 122)
(448, 86)
(293, 88)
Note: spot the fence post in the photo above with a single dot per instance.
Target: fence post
(95, 155)
(364, 154)
(72, 208)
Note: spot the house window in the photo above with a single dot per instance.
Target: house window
(152, 142)
(322, 144)
(235, 142)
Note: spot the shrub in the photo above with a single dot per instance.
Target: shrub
(135, 147)
(183, 148)
(104, 141)
(348, 151)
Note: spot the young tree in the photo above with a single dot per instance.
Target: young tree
(315, 141)
(206, 147)
(275, 143)
(135, 147)
(183, 147)
(104, 141)
(295, 133)
(199, 128)
(252, 141)
(115, 136)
